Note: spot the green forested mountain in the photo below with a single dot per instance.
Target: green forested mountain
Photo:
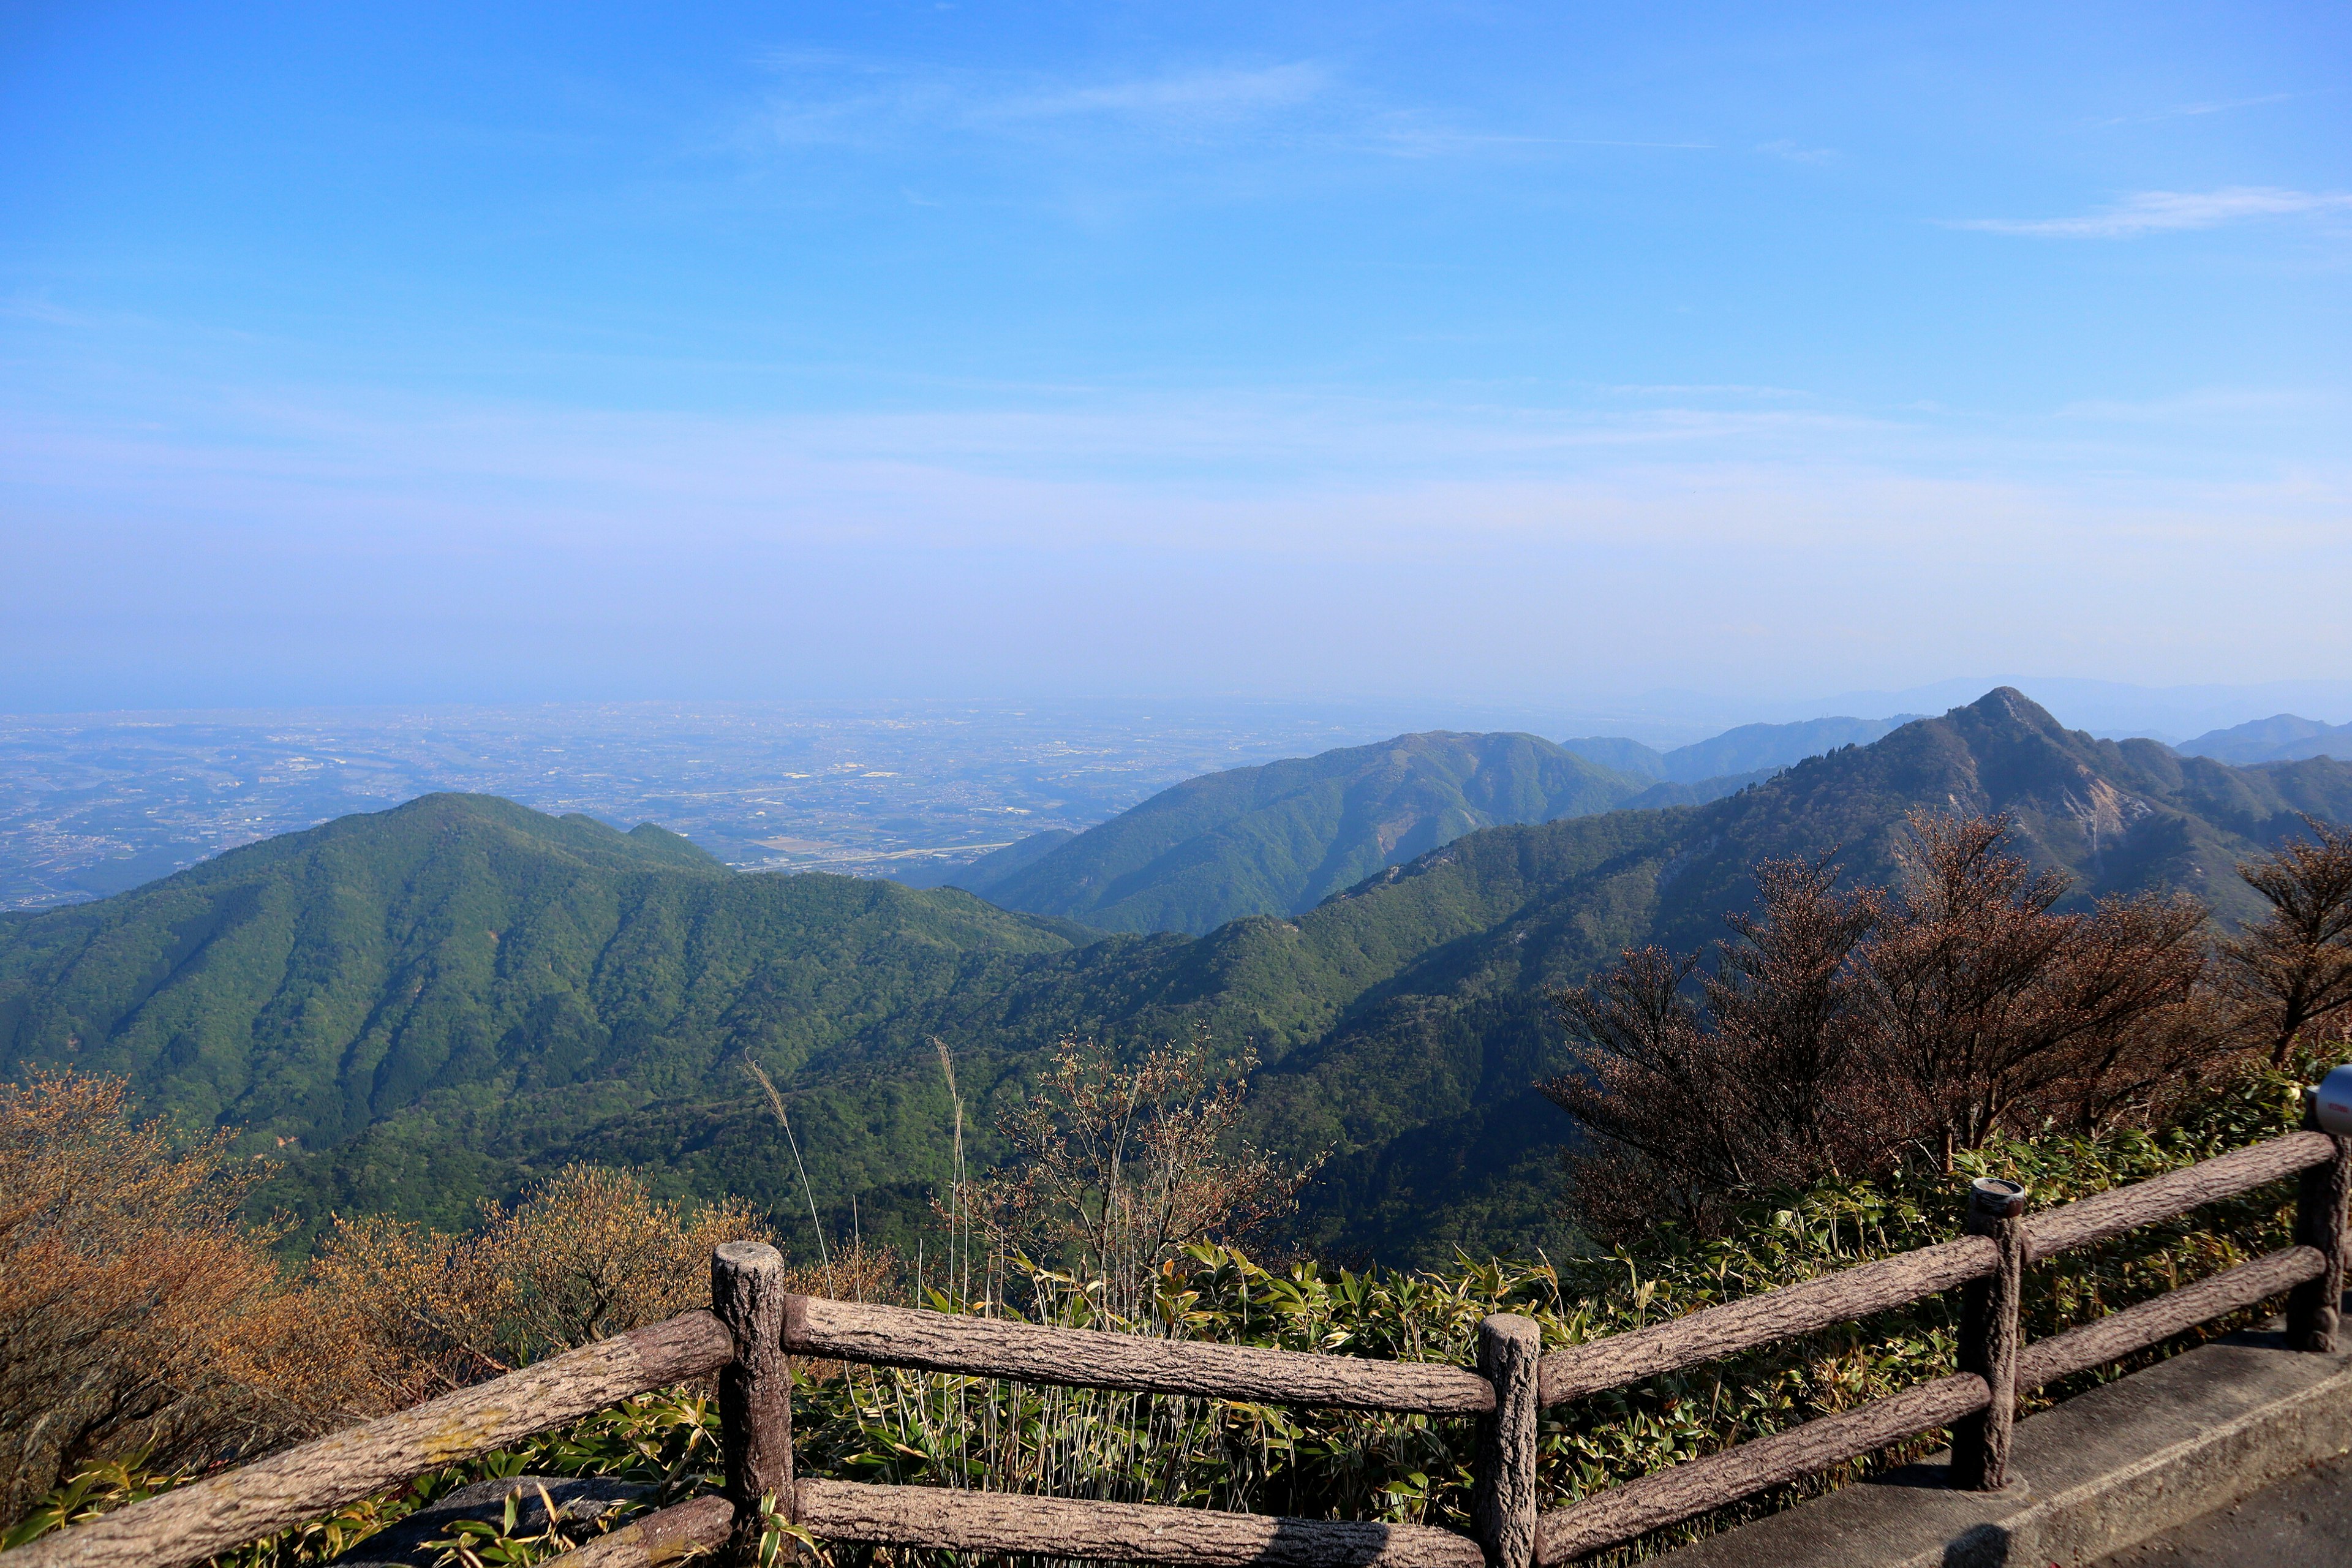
(1278, 839)
(424, 1004)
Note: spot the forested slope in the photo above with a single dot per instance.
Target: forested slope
(421, 1006)
(1278, 839)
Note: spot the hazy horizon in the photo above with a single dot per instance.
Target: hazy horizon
(1660, 717)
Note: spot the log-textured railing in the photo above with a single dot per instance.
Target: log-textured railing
(754, 1324)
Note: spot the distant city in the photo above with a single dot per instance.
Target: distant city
(91, 804)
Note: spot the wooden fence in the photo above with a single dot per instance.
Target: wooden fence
(753, 1323)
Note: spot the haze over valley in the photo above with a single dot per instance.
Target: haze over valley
(94, 804)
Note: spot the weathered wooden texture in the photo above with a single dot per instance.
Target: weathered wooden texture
(1117, 1531)
(690, 1530)
(2312, 1309)
(1623, 1512)
(194, 1521)
(2119, 1209)
(1714, 1332)
(1503, 1503)
(1989, 1337)
(1092, 1358)
(755, 1389)
(2136, 1327)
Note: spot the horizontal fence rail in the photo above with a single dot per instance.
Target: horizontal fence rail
(1097, 1358)
(755, 1323)
(1695, 1485)
(2118, 1335)
(191, 1523)
(2110, 1213)
(1011, 1523)
(1712, 1333)
(1001, 1521)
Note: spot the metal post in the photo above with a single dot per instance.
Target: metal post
(755, 1390)
(2313, 1308)
(1510, 1352)
(1988, 1336)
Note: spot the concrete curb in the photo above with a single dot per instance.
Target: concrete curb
(2099, 1473)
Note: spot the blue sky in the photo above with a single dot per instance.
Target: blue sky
(460, 352)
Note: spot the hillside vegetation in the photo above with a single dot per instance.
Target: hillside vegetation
(588, 1253)
(423, 1005)
(1280, 838)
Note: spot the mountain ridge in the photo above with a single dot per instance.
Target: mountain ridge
(2282, 738)
(1747, 749)
(1279, 838)
(418, 1006)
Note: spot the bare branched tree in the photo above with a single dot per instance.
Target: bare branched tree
(1840, 1028)
(1784, 993)
(1653, 1089)
(1986, 1005)
(1115, 1168)
(2293, 968)
(1767, 1084)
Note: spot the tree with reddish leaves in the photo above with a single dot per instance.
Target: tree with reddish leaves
(1763, 1081)
(2293, 968)
(1992, 1010)
(1840, 1028)
(1783, 994)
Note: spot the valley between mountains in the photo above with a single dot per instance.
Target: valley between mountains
(415, 1009)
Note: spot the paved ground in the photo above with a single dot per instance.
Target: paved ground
(2304, 1521)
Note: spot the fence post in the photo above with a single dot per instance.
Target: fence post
(1510, 1352)
(755, 1389)
(2312, 1309)
(1988, 1336)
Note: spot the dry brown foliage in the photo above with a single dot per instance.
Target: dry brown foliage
(1840, 1028)
(586, 1254)
(1996, 1013)
(1767, 1080)
(2293, 969)
(1116, 1168)
(137, 1314)
(141, 1317)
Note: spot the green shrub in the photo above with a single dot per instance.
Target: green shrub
(922, 1428)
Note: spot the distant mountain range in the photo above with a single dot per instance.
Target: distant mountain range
(1280, 838)
(418, 1006)
(1745, 750)
(2282, 739)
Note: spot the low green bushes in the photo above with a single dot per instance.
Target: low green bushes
(919, 1429)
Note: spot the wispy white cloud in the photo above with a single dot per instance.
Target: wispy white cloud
(1208, 94)
(2191, 110)
(2213, 405)
(833, 99)
(1797, 153)
(825, 99)
(2168, 212)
